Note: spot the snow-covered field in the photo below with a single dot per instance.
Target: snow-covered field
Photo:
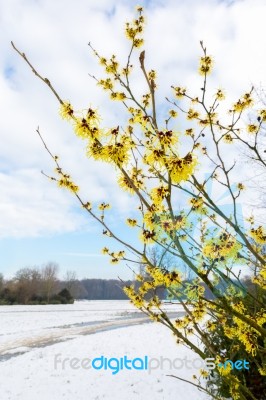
(43, 353)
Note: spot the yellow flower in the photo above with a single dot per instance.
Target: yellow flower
(197, 204)
(66, 111)
(154, 155)
(118, 96)
(135, 29)
(167, 225)
(250, 219)
(244, 102)
(116, 257)
(192, 114)
(260, 279)
(106, 84)
(117, 152)
(234, 390)
(173, 113)
(92, 117)
(129, 290)
(148, 236)
(189, 132)
(259, 234)
(204, 122)
(85, 130)
(220, 94)
(204, 373)
(206, 64)
(105, 250)
(131, 222)
(126, 71)
(250, 341)
(130, 32)
(114, 260)
(152, 75)
(139, 278)
(166, 137)
(262, 115)
(104, 206)
(112, 66)
(240, 186)
(137, 42)
(149, 219)
(210, 118)
(102, 61)
(224, 368)
(179, 92)
(262, 370)
(87, 205)
(66, 182)
(252, 128)
(211, 326)
(181, 168)
(146, 99)
(224, 246)
(133, 180)
(158, 194)
(228, 138)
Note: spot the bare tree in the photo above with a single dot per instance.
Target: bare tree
(27, 283)
(71, 283)
(49, 279)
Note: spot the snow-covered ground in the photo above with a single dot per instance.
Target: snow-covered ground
(36, 341)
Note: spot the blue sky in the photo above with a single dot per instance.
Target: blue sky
(39, 222)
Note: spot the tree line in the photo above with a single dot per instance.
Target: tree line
(34, 285)
(41, 285)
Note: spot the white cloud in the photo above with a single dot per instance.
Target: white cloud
(31, 207)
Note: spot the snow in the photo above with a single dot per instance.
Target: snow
(31, 337)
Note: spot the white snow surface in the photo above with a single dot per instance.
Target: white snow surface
(32, 336)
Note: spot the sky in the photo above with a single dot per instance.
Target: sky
(38, 221)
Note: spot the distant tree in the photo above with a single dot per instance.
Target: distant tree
(49, 279)
(79, 291)
(101, 289)
(7, 296)
(71, 282)
(66, 296)
(27, 284)
(1, 282)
